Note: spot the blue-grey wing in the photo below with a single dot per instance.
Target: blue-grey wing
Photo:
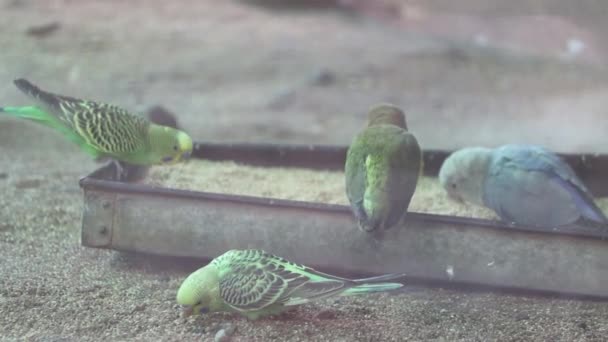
(530, 185)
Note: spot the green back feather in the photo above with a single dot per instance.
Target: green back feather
(252, 280)
(381, 172)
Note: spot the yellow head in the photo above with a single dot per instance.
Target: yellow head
(169, 145)
(200, 292)
(386, 114)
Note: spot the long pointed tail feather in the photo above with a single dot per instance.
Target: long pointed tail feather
(369, 288)
(40, 116)
(32, 90)
(374, 284)
(30, 113)
(382, 278)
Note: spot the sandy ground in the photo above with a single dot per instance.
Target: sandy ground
(238, 73)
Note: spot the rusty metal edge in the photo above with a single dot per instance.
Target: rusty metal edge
(99, 180)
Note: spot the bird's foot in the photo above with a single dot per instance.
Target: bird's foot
(121, 172)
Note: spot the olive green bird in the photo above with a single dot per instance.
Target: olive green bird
(103, 130)
(382, 167)
(255, 284)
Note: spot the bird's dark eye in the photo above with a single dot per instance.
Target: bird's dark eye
(203, 310)
(175, 147)
(453, 185)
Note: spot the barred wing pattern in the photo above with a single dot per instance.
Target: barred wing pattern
(106, 127)
(253, 280)
(109, 128)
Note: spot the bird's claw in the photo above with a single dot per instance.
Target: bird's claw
(121, 172)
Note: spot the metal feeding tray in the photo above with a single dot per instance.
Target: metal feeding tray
(441, 249)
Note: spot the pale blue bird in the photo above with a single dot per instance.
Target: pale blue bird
(525, 184)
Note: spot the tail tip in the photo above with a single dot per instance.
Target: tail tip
(20, 82)
(25, 85)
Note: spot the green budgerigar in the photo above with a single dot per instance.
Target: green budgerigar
(257, 284)
(382, 168)
(103, 130)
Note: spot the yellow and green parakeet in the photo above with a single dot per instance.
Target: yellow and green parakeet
(103, 130)
(382, 168)
(257, 284)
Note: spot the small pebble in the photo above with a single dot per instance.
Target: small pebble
(225, 332)
(229, 328)
(221, 336)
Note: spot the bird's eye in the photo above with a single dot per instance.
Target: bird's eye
(203, 310)
(175, 147)
(453, 185)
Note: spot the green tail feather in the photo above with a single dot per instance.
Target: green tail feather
(30, 113)
(369, 288)
(374, 284)
(382, 278)
(38, 115)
